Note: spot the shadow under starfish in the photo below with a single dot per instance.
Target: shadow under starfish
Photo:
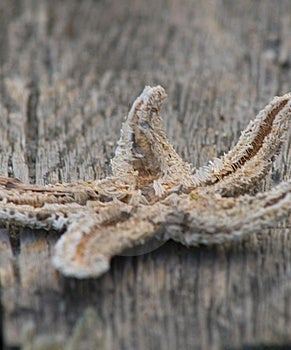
(153, 193)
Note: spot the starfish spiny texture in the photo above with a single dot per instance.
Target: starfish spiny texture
(153, 193)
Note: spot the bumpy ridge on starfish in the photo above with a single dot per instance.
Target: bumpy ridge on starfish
(249, 161)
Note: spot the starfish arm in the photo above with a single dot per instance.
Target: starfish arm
(203, 220)
(57, 216)
(144, 151)
(49, 217)
(87, 247)
(14, 191)
(241, 169)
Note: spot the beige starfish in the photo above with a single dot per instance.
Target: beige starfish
(153, 193)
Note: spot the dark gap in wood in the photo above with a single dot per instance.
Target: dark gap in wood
(31, 131)
(14, 233)
(10, 166)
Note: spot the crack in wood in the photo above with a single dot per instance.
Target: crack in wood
(31, 131)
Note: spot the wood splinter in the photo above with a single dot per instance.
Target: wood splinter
(153, 192)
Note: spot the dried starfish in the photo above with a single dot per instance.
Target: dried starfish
(153, 192)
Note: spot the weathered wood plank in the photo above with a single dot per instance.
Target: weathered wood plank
(69, 70)
(6, 260)
(35, 250)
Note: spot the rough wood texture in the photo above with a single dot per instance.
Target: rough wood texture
(68, 71)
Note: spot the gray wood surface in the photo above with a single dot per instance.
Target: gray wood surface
(68, 72)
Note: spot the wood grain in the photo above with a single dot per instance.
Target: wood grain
(69, 71)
